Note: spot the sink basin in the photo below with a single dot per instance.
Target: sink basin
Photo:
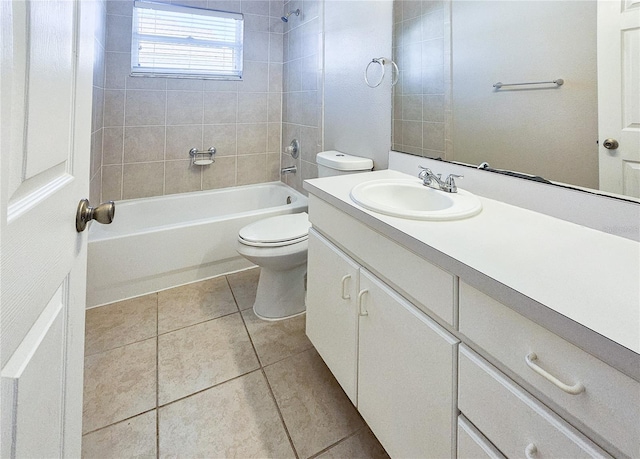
(406, 198)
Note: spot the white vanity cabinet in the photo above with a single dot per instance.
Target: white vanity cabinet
(593, 396)
(394, 362)
(437, 367)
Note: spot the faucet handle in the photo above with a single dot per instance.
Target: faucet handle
(424, 172)
(450, 182)
(427, 171)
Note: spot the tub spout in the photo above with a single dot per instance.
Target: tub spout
(289, 170)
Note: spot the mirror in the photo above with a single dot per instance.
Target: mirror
(446, 105)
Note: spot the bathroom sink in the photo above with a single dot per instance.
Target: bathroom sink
(406, 198)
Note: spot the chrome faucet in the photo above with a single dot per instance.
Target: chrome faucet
(434, 181)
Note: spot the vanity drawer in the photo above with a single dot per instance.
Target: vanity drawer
(472, 444)
(423, 283)
(516, 423)
(609, 405)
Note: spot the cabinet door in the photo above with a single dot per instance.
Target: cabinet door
(332, 320)
(405, 375)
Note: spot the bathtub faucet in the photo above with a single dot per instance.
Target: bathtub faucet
(289, 170)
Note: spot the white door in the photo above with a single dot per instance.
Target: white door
(45, 88)
(619, 95)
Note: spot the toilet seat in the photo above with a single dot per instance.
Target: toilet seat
(278, 231)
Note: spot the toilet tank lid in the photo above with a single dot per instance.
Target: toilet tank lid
(343, 162)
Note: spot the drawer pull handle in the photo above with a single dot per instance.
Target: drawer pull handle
(345, 295)
(573, 390)
(531, 451)
(362, 312)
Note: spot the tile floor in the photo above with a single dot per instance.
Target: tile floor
(192, 372)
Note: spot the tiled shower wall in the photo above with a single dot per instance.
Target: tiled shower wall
(302, 92)
(151, 123)
(422, 97)
(97, 124)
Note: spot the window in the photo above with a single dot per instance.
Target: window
(177, 41)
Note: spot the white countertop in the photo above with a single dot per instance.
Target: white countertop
(588, 276)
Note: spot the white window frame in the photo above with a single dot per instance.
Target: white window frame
(234, 47)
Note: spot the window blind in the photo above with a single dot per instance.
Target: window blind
(172, 40)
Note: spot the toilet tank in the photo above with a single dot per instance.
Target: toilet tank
(333, 162)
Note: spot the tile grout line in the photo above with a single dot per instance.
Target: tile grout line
(199, 391)
(208, 388)
(118, 422)
(342, 440)
(142, 340)
(289, 356)
(197, 323)
(264, 375)
(284, 424)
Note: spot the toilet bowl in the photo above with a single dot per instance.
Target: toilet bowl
(279, 246)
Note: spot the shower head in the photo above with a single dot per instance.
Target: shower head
(285, 18)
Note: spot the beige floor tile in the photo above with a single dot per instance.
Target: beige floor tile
(363, 445)
(235, 419)
(135, 437)
(118, 384)
(315, 409)
(244, 285)
(276, 340)
(121, 323)
(197, 357)
(194, 303)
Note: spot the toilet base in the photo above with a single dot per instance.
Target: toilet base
(280, 294)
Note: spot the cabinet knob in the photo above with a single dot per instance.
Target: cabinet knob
(531, 451)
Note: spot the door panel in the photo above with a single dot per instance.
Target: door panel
(37, 367)
(45, 87)
(51, 78)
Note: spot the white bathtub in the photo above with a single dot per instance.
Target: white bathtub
(166, 241)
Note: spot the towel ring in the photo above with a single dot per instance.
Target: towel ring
(380, 61)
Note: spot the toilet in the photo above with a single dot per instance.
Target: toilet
(279, 246)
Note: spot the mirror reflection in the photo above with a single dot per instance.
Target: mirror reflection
(446, 103)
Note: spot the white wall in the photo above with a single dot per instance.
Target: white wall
(357, 119)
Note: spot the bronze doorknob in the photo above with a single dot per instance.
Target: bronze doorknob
(610, 144)
(104, 214)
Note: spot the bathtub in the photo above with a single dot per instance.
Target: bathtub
(166, 241)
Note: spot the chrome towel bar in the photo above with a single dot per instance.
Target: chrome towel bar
(558, 82)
